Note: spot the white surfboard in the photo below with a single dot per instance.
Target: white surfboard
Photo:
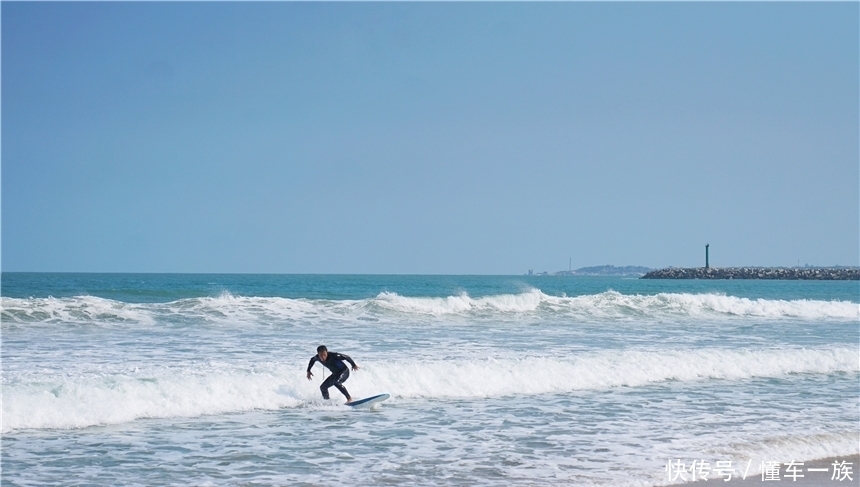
(368, 402)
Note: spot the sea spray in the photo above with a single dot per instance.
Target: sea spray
(48, 400)
(229, 309)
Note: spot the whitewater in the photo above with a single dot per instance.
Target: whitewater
(495, 380)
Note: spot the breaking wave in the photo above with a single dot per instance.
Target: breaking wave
(39, 400)
(238, 309)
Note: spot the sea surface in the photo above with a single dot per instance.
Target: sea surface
(149, 379)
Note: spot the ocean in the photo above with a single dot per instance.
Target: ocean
(174, 379)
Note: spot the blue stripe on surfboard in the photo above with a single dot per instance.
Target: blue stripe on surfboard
(376, 398)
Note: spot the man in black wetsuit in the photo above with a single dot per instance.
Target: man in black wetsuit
(333, 361)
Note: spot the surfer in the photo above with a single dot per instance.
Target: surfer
(333, 361)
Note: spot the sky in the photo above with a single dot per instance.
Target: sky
(428, 138)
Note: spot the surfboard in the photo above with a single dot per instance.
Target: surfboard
(368, 402)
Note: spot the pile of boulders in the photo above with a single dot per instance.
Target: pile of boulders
(810, 273)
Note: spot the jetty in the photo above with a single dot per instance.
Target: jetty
(785, 273)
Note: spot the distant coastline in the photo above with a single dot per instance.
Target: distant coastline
(780, 273)
(600, 271)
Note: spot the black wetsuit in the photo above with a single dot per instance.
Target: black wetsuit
(339, 372)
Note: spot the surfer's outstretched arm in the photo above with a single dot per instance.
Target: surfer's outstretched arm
(310, 366)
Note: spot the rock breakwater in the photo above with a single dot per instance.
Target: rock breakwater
(787, 273)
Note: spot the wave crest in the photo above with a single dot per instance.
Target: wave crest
(38, 401)
(227, 308)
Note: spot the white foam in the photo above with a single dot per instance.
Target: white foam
(230, 309)
(616, 305)
(504, 303)
(225, 308)
(76, 402)
(74, 310)
(56, 401)
(612, 304)
(597, 370)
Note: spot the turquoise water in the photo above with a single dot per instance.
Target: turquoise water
(143, 288)
(142, 379)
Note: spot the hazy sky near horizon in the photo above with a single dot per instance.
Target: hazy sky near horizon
(450, 138)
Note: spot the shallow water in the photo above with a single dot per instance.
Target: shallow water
(199, 379)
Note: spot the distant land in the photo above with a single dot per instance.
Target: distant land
(600, 270)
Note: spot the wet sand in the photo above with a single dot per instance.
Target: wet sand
(809, 479)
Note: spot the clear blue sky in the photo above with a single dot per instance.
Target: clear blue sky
(486, 138)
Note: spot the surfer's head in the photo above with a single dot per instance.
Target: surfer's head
(322, 352)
